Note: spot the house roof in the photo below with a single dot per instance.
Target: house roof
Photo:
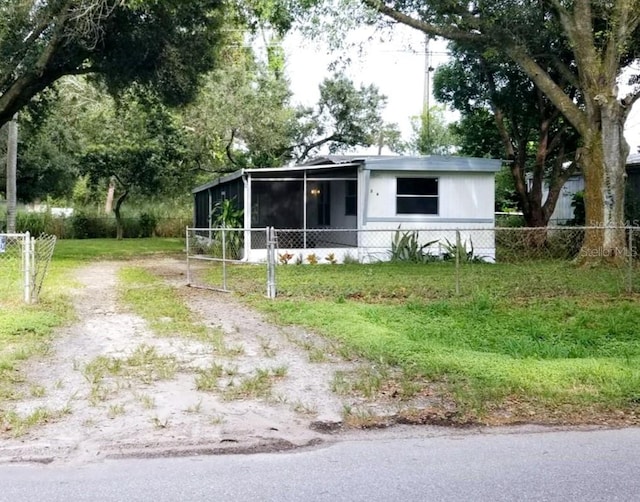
(431, 163)
(428, 163)
(633, 160)
(219, 180)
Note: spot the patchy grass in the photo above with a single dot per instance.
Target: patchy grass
(161, 306)
(207, 378)
(107, 375)
(256, 386)
(19, 424)
(115, 410)
(519, 342)
(26, 330)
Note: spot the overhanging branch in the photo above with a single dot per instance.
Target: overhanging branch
(550, 88)
(449, 32)
(629, 100)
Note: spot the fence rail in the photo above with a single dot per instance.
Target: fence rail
(462, 252)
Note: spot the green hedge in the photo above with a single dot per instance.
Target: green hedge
(87, 226)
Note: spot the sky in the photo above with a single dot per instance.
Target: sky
(396, 66)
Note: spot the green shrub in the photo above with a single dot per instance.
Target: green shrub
(147, 224)
(172, 227)
(510, 220)
(405, 246)
(34, 223)
(460, 250)
(85, 226)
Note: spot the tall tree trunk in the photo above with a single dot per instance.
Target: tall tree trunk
(12, 162)
(604, 171)
(108, 207)
(116, 210)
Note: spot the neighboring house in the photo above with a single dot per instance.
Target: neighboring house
(353, 206)
(633, 175)
(563, 212)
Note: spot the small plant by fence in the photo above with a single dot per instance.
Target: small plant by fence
(24, 261)
(463, 258)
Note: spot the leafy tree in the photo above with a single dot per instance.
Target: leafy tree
(476, 132)
(344, 117)
(506, 116)
(242, 116)
(389, 135)
(139, 146)
(602, 39)
(48, 147)
(431, 133)
(165, 45)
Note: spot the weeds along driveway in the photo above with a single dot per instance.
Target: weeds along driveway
(154, 367)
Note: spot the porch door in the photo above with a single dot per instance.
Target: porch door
(319, 204)
(324, 204)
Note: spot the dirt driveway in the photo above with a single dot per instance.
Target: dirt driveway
(105, 413)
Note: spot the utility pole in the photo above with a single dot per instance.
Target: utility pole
(427, 68)
(426, 98)
(12, 162)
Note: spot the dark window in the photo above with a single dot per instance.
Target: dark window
(417, 196)
(351, 198)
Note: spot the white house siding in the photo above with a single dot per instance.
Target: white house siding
(463, 197)
(466, 202)
(563, 211)
(465, 208)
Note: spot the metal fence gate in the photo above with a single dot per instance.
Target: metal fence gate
(24, 261)
(216, 259)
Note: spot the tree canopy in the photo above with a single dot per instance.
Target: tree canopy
(431, 133)
(601, 39)
(165, 44)
(345, 116)
(506, 116)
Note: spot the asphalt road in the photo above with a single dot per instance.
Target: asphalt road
(561, 465)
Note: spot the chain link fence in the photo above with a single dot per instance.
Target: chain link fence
(13, 248)
(449, 261)
(42, 250)
(24, 261)
(456, 261)
(218, 259)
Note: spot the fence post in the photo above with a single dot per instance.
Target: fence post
(224, 257)
(630, 270)
(271, 263)
(26, 265)
(458, 246)
(188, 261)
(34, 270)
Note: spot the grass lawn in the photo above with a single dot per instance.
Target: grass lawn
(544, 342)
(26, 330)
(112, 249)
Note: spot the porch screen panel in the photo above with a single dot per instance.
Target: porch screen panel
(202, 209)
(277, 204)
